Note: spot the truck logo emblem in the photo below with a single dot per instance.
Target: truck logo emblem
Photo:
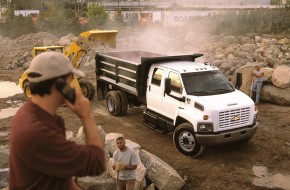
(235, 118)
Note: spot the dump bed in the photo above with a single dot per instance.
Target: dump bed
(128, 70)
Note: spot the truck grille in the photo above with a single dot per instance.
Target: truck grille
(234, 118)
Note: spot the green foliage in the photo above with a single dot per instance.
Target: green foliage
(97, 15)
(25, 5)
(262, 21)
(16, 26)
(275, 2)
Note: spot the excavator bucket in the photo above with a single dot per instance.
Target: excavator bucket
(97, 39)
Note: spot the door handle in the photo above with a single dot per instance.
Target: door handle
(149, 88)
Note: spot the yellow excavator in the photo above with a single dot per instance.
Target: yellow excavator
(96, 40)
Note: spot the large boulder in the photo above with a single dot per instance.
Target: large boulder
(281, 76)
(276, 95)
(160, 173)
(267, 74)
(247, 78)
(4, 157)
(81, 139)
(102, 182)
(4, 177)
(140, 173)
(69, 135)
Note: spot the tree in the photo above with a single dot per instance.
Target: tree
(26, 5)
(97, 15)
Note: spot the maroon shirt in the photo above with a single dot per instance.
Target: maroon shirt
(40, 155)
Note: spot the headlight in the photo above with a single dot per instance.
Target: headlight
(204, 127)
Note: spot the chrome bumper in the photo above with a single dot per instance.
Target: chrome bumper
(227, 136)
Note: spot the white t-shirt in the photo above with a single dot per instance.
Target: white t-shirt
(258, 79)
(126, 157)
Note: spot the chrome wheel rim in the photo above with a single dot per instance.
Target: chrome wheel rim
(186, 141)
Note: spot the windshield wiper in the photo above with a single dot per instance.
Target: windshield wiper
(200, 92)
(222, 89)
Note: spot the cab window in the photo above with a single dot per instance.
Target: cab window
(157, 76)
(175, 82)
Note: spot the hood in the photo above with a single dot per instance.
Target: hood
(223, 101)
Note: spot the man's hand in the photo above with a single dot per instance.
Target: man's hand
(81, 107)
(119, 166)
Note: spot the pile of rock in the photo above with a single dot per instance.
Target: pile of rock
(239, 54)
(17, 52)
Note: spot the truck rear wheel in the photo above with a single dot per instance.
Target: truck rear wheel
(87, 89)
(124, 102)
(113, 103)
(185, 141)
(26, 89)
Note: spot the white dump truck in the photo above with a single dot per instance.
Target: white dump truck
(194, 101)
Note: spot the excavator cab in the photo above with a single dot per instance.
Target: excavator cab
(94, 40)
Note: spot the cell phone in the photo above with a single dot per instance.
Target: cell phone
(63, 87)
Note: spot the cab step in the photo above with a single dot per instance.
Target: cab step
(154, 127)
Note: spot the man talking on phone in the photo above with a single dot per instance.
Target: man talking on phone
(40, 155)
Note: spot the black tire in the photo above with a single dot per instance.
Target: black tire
(124, 102)
(87, 89)
(185, 141)
(113, 103)
(26, 89)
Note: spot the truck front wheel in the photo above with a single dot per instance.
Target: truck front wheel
(185, 141)
(113, 103)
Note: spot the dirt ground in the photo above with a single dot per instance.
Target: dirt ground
(220, 167)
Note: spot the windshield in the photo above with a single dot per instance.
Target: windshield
(206, 83)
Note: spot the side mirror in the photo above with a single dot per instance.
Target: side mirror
(239, 79)
(167, 88)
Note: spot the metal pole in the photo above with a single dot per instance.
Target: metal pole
(117, 179)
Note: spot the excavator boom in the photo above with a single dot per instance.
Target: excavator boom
(95, 40)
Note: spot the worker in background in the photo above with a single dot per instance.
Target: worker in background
(258, 79)
(125, 162)
(40, 155)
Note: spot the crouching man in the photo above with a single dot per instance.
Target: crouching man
(125, 162)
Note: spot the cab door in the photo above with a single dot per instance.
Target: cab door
(155, 90)
(170, 105)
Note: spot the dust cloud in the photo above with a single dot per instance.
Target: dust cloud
(162, 39)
